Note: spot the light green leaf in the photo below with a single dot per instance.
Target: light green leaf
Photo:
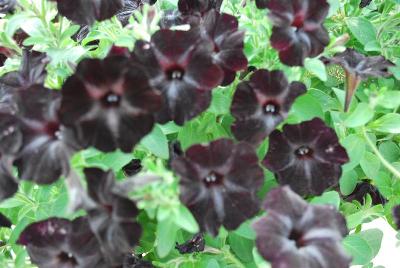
(327, 198)
(360, 116)
(362, 29)
(348, 182)
(316, 67)
(166, 236)
(355, 147)
(185, 219)
(370, 164)
(389, 123)
(156, 142)
(363, 246)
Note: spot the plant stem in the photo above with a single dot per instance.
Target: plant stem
(389, 166)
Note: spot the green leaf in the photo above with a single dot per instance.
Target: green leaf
(389, 99)
(327, 198)
(156, 142)
(246, 230)
(360, 116)
(241, 246)
(370, 164)
(185, 219)
(213, 263)
(348, 182)
(316, 67)
(390, 151)
(362, 29)
(363, 246)
(306, 107)
(166, 236)
(364, 216)
(355, 147)
(389, 123)
(259, 260)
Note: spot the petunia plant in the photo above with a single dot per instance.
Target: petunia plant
(198, 133)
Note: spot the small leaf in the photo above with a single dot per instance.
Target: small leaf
(348, 182)
(212, 264)
(363, 246)
(316, 67)
(185, 219)
(370, 164)
(389, 123)
(156, 142)
(362, 29)
(355, 147)
(360, 116)
(327, 198)
(166, 236)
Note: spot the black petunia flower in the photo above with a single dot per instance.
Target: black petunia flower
(46, 145)
(132, 168)
(8, 184)
(362, 189)
(4, 221)
(86, 12)
(228, 43)
(7, 6)
(131, 6)
(359, 67)
(57, 242)
(261, 4)
(261, 104)
(296, 234)
(109, 103)
(298, 32)
(195, 244)
(365, 3)
(396, 216)
(219, 182)
(180, 65)
(306, 156)
(113, 220)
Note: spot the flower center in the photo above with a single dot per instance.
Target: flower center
(298, 21)
(271, 108)
(65, 257)
(304, 152)
(297, 237)
(52, 129)
(111, 100)
(175, 73)
(213, 179)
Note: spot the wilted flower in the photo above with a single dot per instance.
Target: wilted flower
(306, 156)
(57, 242)
(359, 67)
(228, 43)
(365, 3)
(87, 11)
(179, 64)
(109, 103)
(46, 144)
(261, 4)
(261, 104)
(131, 6)
(219, 182)
(195, 244)
(297, 234)
(4, 221)
(113, 220)
(132, 168)
(298, 31)
(362, 189)
(131, 261)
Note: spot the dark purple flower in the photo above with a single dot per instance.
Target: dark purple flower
(180, 65)
(261, 104)
(46, 145)
(4, 221)
(297, 234)
(109, 103)
(219, 182)
(362, 189)
(228, 43)
(131, 6)
(113, 220)
(261, 4)
(33, 68)
(396, 216)
(298, 31)
(57, 242)
(195, 244)
(7, 6)
(191, 7)
(306, 156)
(359, 67)
(87, 11)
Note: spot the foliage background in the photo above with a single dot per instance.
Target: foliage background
(370, 131)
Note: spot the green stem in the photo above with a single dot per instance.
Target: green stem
(389, 166)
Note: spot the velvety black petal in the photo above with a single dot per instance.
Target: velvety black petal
(8, 184)
(57, 242)
(261, 4)
(10, 134)
(260, 105)
(297, 234)
(109, 104)
(396, 216)
(132, 168)
(87, 11)
(33, 68)
(306, 156)
(219, 183)
(4, 221)
(131, 261)
(7, 6)
(113, 219)
(365, 3)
